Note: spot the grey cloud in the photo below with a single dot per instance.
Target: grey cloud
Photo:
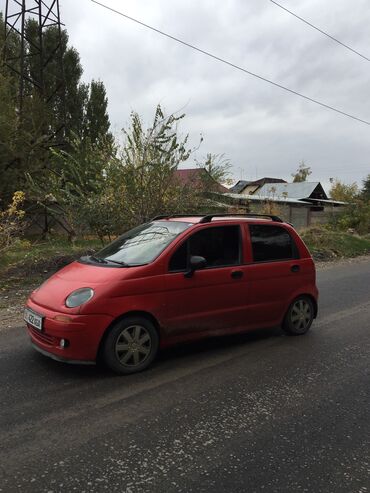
(254, 124)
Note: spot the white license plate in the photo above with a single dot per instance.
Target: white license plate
(33, 318)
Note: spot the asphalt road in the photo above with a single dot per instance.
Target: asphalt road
(258, 412)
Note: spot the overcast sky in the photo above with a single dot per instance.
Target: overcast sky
(263, 130)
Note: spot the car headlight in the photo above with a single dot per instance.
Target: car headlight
(78, 297)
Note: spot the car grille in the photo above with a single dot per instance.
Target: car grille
(42, 337)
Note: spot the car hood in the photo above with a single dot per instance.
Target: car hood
(54, 291)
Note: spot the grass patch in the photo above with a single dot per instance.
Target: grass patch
(326, 244)
(30, 261)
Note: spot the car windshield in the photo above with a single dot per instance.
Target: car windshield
(142, 244)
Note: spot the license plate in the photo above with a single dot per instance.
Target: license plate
(33, 318)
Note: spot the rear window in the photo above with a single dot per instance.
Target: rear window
(271, 243)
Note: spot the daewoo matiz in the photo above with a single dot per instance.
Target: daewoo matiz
(170, 280)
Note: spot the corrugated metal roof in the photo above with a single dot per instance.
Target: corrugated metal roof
(262, 198)
(239, 186)
(299, 190)
(329, 201)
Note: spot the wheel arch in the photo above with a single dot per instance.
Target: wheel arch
(133, 313)
(307, 295)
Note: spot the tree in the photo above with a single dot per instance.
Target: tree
(302, 173)
(143, 177)
(342, 192)
(76, 191)
(218, 170)
(355, 216)
(365, 193)
(105, 190)
(97, 119)
(24, 139)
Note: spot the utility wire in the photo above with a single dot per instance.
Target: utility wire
(222, 60)
(321, 31)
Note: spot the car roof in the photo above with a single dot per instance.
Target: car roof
(216, 218)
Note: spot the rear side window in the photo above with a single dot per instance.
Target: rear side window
(271, 243)
(220, 246)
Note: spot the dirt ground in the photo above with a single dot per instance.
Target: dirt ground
(12, 301)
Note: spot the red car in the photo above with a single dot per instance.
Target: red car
(173, 279)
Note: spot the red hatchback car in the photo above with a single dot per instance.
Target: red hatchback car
(173, 279)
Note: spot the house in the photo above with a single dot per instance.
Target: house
(300, 203)
(250, 187)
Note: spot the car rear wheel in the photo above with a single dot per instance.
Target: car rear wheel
(131, 345)
(299, 316)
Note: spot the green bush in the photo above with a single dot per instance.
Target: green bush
(356, 216)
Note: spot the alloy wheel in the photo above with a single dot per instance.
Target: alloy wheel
(301, 316)
(133, 345)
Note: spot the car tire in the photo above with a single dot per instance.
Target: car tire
(299, 316)
(131, 345)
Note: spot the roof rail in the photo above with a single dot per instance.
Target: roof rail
(208, 218)
(167, 216)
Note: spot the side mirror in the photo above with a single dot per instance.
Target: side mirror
(195, 263)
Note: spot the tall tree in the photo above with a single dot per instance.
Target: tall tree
(97, 122)
(64, 107)
(24, 140)
(302, 173)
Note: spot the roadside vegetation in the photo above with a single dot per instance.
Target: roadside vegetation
(326, 243)
(94, 185)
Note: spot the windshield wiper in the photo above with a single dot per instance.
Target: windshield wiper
(116, 262)
(98, 260)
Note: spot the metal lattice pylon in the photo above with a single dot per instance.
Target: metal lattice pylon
(16, 56)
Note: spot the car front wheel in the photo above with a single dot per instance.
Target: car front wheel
(131, 345)
(299, 316)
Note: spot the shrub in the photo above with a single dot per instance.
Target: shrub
(12, 221)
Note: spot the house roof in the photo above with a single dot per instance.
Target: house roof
(266, 179)
(297, 190)
(242, 184)
(262, 198)
(194, 177)
(239, 186)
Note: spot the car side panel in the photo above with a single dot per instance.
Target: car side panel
(273, 286)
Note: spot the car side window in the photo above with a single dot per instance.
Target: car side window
(220, 246)
(271, 243)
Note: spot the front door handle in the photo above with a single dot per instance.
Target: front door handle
(294, 268)
(237, 274)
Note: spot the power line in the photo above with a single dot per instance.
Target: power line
(222, 60)
(321, 31)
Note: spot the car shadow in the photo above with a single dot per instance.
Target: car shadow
(216, 344)
(168, 357)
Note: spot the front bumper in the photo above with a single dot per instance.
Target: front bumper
(83, 334)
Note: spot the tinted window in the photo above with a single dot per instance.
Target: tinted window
(271, 243)
(179, 259)
(220, 246)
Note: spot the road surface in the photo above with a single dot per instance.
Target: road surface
(252, 413)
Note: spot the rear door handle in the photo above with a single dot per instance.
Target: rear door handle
(237, 274)
(294, 268)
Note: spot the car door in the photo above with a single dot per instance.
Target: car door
(212, 299)
(275, 273)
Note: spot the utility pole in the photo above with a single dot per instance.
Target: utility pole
(17, 56)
